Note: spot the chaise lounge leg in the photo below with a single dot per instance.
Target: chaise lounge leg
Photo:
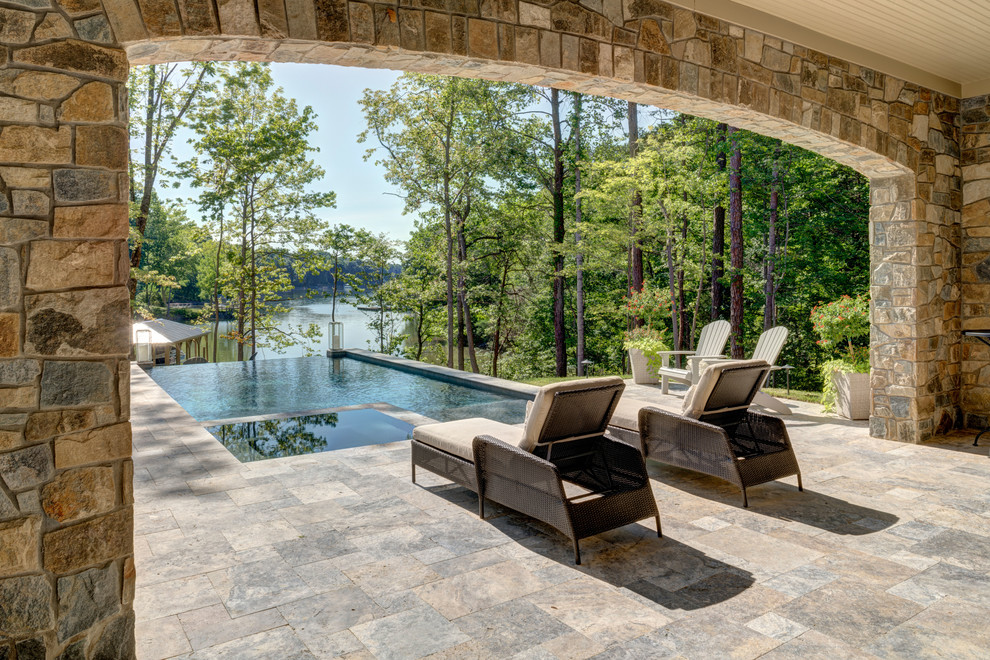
(745, 499)
(659, 531)
(414, 473)
(481, 506)
(800, 486)
(577, 553)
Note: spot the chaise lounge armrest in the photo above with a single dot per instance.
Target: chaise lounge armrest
(663, 432)
(497, 460)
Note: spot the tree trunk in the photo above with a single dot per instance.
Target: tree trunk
(462, 296)
(635, 241)
(560, 353)
(718, 236)
(254, 288)
(149, 178)
(671, 280)
(216, 291)
(769, 291)
(497, 340)
(450, 241)
(578, 257)
(683, 340)
(736, 246)
(450, 266)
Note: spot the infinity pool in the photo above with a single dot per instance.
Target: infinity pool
(229, 390)
(309, 434)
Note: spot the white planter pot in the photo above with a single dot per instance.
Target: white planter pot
(642, 373)
(852, 395)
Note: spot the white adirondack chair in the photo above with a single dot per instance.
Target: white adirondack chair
(711, 343)
(768, 348)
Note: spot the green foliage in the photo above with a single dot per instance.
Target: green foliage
(839, 322)
(650, 341)
(254, 170)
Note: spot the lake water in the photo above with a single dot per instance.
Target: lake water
(303, 312)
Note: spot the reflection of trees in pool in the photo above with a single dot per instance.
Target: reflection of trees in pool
(276, 437)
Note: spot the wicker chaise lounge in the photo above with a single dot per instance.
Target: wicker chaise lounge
(717, 434)
(560, 468)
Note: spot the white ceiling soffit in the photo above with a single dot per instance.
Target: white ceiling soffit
(941, 44)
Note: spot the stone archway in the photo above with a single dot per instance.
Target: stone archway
(65, 498)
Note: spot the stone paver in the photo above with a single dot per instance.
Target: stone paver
(340, 555)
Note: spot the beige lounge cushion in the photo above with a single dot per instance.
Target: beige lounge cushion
(537, 415)
(626, 415)
(457, 437)
(697, 396)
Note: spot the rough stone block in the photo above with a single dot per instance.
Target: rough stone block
(502, 10)
(94, 446)
(160, 18)
(95, 28)
(8, 503)
(651, 38)
(10, 277)
(90, 543)
(25, 604)
(10, 335)
(101, 146)
(301, 17)
(44, 86)
(42, 425)
(93, 221)
(26, 468)
(15, 26)
(535, 15)
(77, 56)
(19, 372)
(125, 20)
(93, 102)
(411, 35)
(19, 546)
(67, 264)
(84, 185)
(331, 19)
(437, 28)
(75, 384)
(482, 39)
(79, 494)
(36, 144)
(85, 598)
(53, 26)
(18, 110)
(363, 23)
(79, 7)
(117, 639)
(31, 202)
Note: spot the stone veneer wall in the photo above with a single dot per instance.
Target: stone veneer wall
(976, 259)
(66, 568)
(66, 572)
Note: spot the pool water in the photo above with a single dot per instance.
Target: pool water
(309, 434)
(228, 390)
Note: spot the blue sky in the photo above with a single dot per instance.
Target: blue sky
(363, 198)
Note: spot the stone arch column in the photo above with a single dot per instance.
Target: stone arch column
(66, 569)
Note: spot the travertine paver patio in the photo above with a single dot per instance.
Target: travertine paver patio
(885, 554)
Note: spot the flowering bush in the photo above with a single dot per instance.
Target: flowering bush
(650, 305)
(840, 322)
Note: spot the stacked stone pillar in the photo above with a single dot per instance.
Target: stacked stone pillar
(976, 259)
(66, 567)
